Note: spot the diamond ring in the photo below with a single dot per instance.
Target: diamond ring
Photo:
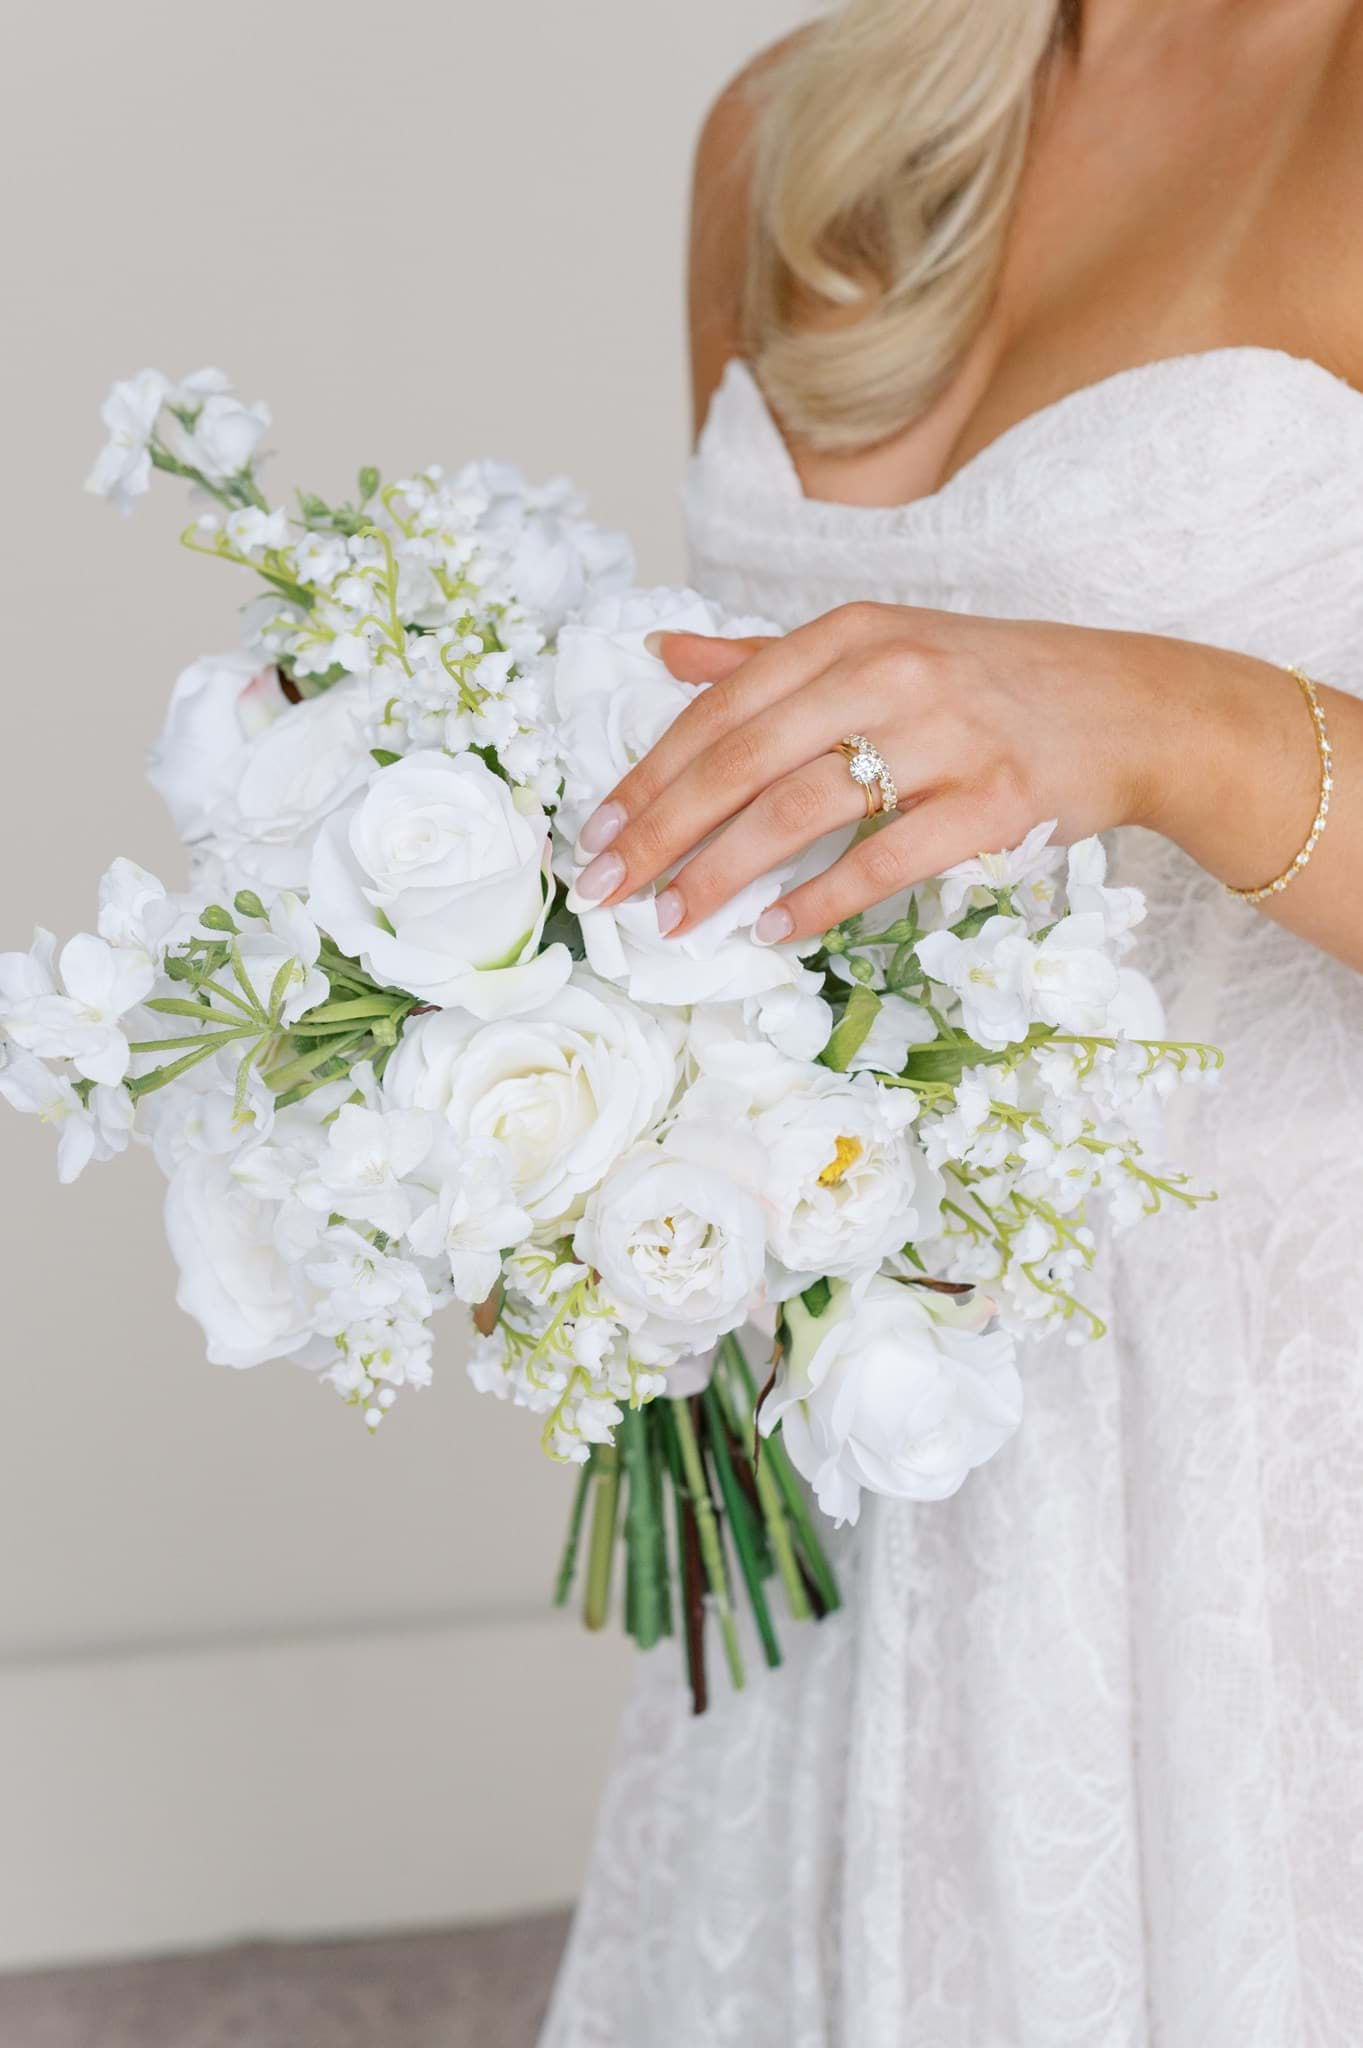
(870, 770)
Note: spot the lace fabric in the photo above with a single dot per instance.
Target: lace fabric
(1081, 1764)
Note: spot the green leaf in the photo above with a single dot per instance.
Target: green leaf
(817, 1297)
(850, 1033)
(385, 756)
(369, 483)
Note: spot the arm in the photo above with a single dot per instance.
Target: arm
(989, 726)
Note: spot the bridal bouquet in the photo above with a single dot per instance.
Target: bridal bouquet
(388, 1060)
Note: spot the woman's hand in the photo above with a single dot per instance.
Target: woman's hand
(989, 726)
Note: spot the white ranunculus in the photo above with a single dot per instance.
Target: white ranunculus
(678, 1242)
(435, 878)
(844, 1179)
(891, 1391)
(217, 707)
(250, 1302)
(122, 468)
(565, 1089)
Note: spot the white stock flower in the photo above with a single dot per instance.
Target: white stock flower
(122, 468)
(74, 1014)
(223, 435)
(252, 530)
(474, 1218)
(281, 960)
(435, 878)
(890, 1391)
(96, 1131)
(364, 1170)
(1029, 870)
(678, 1242)
(565, 1089)
(251, 1303)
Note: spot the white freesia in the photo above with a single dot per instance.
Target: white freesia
(896, 1028)
(1007, 981)
(280, 962)
(435, 878)
(565, 1089)
(251, 1303)
(122, 469)
(678, 1242)
(890, 1391)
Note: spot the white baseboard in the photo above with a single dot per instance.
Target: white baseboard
(173, 1801)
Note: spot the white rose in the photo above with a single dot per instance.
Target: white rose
(678, 1243)
(250, 1303)
(844, 1178)
(891, 1391)
(614, 700)
(313, 758)
(435, 878)
(217, 706)
(565, 1089)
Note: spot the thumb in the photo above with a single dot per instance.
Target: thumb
(701, 657)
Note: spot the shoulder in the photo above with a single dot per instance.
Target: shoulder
(720, 208)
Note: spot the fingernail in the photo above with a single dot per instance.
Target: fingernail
(772, 926)
(654, 643)
(600, 877)
(602, 826)
(669, 910)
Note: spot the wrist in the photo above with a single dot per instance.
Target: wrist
(1236, 779)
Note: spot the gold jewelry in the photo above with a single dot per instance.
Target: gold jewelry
(871, 772)
(1327, 784)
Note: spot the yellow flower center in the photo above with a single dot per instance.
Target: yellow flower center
(848, 1152)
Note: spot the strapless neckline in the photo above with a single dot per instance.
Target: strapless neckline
(740, 387)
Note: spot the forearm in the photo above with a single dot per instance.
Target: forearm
(1236, 783)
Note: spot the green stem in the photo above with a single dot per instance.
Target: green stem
(567, 1567)
(737, 1510)
(605, 1470)
(769, 1494)
(643, 1532)
(791, 1492)
(712, 1550)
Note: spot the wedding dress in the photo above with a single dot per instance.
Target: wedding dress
(1081, 1763)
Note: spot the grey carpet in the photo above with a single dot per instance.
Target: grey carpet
(477, 1988)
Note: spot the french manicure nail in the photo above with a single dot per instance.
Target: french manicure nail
(602, 826)
(772, 926)
(654, 643)
(669, 910)
(600, 877)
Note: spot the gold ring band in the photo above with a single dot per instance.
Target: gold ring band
(870, 771)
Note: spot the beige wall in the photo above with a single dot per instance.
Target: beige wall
(257, 1671)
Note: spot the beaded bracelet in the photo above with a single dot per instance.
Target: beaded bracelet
(1327, 783)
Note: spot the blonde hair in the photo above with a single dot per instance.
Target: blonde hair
(888, 149)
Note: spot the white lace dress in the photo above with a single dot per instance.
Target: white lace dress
(1081, 1765)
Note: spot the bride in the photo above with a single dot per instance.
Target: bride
(1027, 345)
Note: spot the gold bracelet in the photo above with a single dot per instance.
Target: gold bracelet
(1327, 783)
